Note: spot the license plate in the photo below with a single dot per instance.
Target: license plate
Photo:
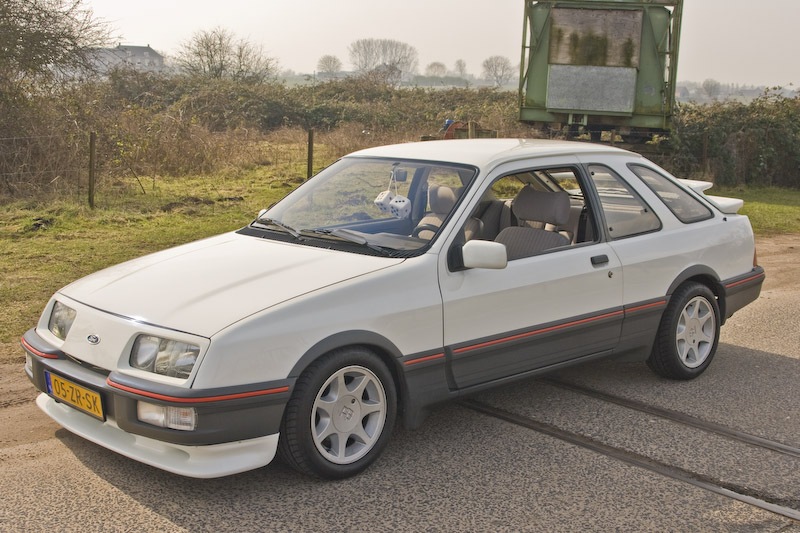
(73, 394)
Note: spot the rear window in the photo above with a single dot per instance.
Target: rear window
(683, 205)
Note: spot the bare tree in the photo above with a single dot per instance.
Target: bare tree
(498, 69)
(460, 68)
(41, 42)
(436, 70)
(329, 64)
(40, 38)
(712, 88)
(369, 54)
(364, 55)
(218, 54)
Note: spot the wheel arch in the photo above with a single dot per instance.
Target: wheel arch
(706, 276)
(385, 349)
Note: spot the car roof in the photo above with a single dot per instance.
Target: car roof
(485, 153)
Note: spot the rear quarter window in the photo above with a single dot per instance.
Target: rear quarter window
(683, 205)
(625, 213)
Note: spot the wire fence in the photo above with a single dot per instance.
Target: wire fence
(41, 165)
(29, 165)
(38, 166)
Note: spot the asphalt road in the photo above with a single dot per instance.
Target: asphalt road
(466, 470)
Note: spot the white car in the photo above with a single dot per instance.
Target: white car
(397, 278)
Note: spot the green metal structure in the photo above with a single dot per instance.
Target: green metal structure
(600, 65)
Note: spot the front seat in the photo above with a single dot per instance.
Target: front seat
(539, 213)
(441, 200)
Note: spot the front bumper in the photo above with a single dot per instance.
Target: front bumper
(214, 460)
(237, 427)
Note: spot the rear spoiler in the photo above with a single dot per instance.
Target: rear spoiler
(729, 206)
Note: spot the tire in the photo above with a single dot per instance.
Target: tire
(688, 335)
(340, 415)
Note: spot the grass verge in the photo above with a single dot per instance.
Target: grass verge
(46, 244)
(772, 211)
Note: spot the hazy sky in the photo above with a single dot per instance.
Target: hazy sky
(733, 41)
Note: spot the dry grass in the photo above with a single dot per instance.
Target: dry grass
(48, 242)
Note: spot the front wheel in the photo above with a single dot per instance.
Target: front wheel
(340, 416)
(688, 335)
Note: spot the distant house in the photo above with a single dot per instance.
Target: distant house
(141, 58)
(682, 93)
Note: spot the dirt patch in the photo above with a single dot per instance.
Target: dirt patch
(779, 257)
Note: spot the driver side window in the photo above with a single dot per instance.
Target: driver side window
(533, 212)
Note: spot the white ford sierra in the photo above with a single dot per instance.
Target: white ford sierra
(397, 278)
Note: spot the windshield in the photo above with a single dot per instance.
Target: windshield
(375, 204)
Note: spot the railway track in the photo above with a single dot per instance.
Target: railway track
(762, 498)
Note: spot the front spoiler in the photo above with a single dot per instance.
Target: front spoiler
(209, 461)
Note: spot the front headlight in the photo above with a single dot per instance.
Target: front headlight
(61, 319)
(164, 356)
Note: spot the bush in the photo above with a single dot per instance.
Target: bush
(153, 125)
(740, 144)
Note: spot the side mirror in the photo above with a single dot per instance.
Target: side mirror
(484, 254)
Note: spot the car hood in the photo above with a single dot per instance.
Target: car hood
(205, 286)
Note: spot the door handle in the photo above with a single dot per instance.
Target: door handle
(599, 260)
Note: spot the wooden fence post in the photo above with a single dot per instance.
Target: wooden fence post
(310, 163)
(92, 154)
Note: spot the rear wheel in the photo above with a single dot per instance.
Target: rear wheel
(688, 335)
(340, 416)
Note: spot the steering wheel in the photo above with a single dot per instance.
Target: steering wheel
(424, 227)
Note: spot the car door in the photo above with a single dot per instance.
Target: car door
(537, 312)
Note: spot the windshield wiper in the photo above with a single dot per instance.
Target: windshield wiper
(353, 237)
(278, 224)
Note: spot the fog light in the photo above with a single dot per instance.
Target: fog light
(163, 416)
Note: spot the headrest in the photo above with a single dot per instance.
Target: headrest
(442, 199)
(541, 206)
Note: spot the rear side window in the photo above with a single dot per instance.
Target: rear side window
(625, 213)
(683, 205)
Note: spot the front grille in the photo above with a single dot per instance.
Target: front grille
(88, 366)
